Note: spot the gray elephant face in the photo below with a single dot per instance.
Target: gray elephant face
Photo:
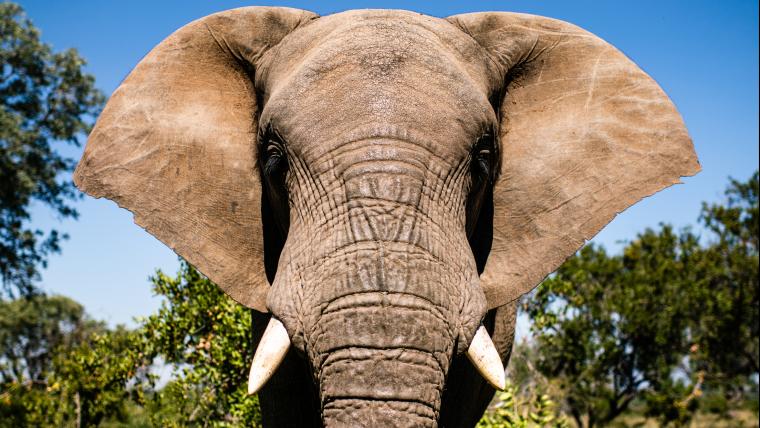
(376, 276)
(378, 203)
(378, 180)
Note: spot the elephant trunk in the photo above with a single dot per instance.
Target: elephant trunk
(377, 283)
(382, 357)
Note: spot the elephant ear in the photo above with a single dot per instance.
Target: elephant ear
(176, 145)
(584, 134)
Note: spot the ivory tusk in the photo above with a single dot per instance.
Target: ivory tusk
(270, 353)
(484, 356)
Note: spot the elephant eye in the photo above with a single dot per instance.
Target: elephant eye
(484, 161)
(273, 159)
(275, 163)
(483, 158)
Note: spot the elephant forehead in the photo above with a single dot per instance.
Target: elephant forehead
(366, 70)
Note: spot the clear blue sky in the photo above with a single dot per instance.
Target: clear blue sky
(703, 53)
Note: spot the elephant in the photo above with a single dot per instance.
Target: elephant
(380, 187)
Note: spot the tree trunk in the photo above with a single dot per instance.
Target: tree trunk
(78, 409)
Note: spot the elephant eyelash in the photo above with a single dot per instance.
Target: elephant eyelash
(273, 150)
(275, 163)
(482, 155)
(274, 159)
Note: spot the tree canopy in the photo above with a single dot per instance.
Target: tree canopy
(92, 374)
(673, 316)
(207, 338)
(46, 100)
(30, 328)
(56, 365)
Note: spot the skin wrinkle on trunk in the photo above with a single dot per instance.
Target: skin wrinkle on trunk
(356, 413)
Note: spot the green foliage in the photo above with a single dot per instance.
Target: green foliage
(526, 401)
(30, 329)
(660, 323)
(45, 98)
(91, 382)
(58, 367)
(726, 328)
(206, 336)
(519, 410)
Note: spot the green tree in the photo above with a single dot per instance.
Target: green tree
(32, 328)
(725, 329)
(58, 367)
(84, 374)
(658, 321)
(206, 337)
(93, 381)
(29, 331)
(527, 400)
(45, 99)
(515, 409)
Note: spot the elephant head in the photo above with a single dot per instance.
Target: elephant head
(380, 181)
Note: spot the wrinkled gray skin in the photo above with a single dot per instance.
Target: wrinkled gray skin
(376, 283)
(412, 177)
(291, 397)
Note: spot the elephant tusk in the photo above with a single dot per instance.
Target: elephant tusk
(270, 353)
(484, 356)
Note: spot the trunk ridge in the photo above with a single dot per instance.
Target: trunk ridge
(381, 360)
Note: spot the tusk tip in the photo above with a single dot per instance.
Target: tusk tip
(254, 384)
(255, 381)
(484, 356)
(497, 379)
(272, 349)
(500, 383)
